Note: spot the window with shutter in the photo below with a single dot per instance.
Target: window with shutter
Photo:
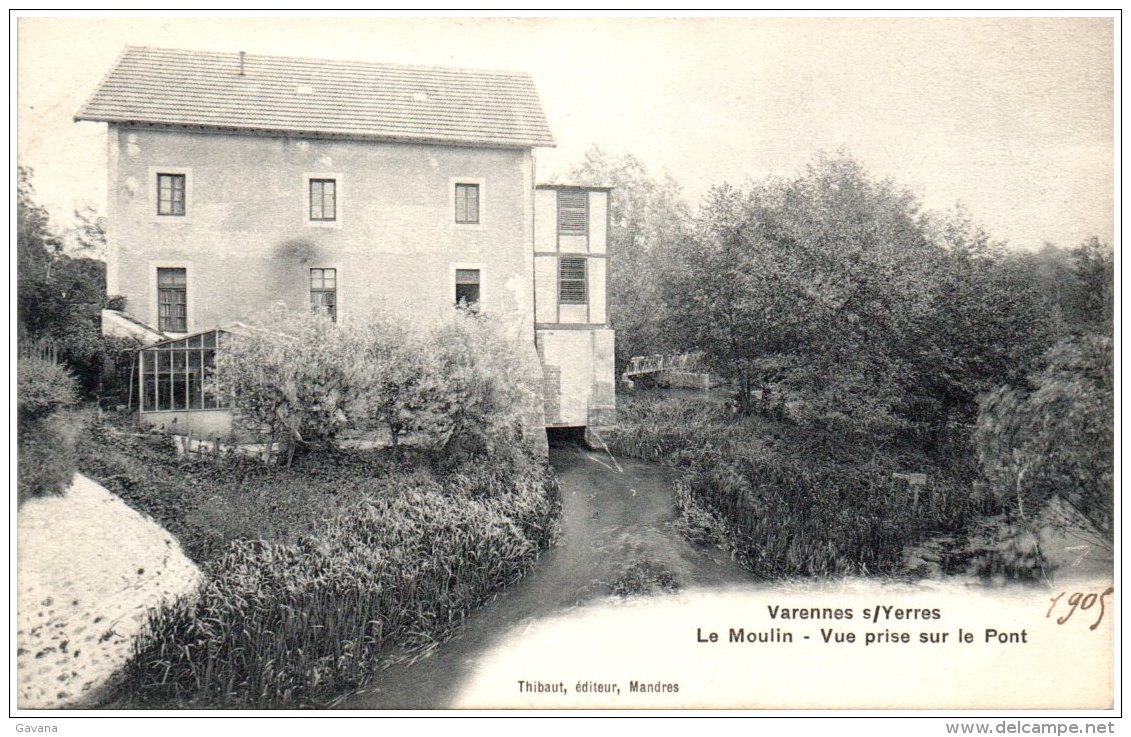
(571, 281)
(573, 212)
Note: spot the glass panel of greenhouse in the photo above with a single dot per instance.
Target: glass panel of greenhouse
(179, 375)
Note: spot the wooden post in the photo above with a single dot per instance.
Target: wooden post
(916, 481)
(134, 362)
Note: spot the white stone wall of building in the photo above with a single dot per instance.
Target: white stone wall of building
(246, 240)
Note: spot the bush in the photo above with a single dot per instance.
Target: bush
(280, 624)
(999, 546)
(42, 387)
(490, 386)
(788, 501)
(1057, 440)
(666, 431)
(803, 516)
(288, 377)
(47, 433)
(118, 374)
(399, 386)
(458, 384)
(47, 453)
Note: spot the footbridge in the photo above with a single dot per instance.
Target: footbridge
(680, 369)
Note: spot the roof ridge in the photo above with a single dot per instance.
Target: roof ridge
(324, 60)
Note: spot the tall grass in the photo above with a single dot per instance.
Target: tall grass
(670, 430)
(790, 501)
(294, 624)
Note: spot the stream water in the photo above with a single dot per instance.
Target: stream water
(559, 638)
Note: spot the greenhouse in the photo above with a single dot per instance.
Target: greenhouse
(176, 385)
(177, 374)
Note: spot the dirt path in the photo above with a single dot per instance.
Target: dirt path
(614, 514)
(88, 570)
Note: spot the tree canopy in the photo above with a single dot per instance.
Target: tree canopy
(832, 289)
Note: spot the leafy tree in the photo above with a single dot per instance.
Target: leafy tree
(811, 284)
(832, 290)
(35, 241)
(88, 235)
(1057, 439)
(1078, 282)
(734, 296)
(1094, 299)
(990, 321)
(647, 217)
(1052, 268)
(59, 296)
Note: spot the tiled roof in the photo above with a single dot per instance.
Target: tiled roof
(320, 97)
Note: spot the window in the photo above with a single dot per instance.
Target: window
(467, 203)
(571, 281)
(467, 289)
(178, 375)
(324, 292)
(171, 194)
(573, 213)
(323, 199)
(172, 300)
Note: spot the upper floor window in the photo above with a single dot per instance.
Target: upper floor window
(467, 203)
(572, 287)
(324, 292)
(467, 289)
(323, 199)
(171, 194)
(573, 212)
(172, 300)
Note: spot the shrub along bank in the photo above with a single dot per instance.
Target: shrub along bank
(47, 429)
(791, 501)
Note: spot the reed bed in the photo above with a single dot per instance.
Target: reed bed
(791, 502)
(295, 624)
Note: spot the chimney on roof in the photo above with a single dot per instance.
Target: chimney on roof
(242, 55)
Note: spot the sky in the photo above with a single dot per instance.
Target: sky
(1013, 118)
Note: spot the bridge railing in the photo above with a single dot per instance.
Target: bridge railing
(638, 365)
